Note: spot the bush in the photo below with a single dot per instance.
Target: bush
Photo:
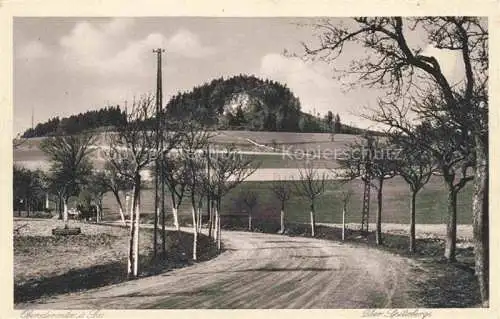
(86, 211)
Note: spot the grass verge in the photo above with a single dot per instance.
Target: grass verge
(49, 265)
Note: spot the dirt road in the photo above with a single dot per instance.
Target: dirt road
(262, 271)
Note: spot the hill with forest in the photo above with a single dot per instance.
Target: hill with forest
(241, 102)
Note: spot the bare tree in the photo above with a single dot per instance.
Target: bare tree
(449, 144)
(249, 200)
(194, 140)
(282, 190)
(28, 188)
(71, 165)
(228, 169)
(346, 197)
(454, 164)
(117, 183)
(97, 187)
(391, 63)
(132, 150)
(373, 162)
(174, 176)
(311, 185)
(168, 137)
(416, 165)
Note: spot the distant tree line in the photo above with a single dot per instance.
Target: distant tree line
(241, 102)
(90, 120)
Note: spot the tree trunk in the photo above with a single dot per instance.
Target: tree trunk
(136, 241)
(313, 221)
(101, 210)
(199, 222)
(122, 216)
(133, 264)
(412, 222)
(163, 221)
(120, 207)
(219, 233)
(216, 220)
(47, 201)
(27, 207)
(451, 227)
(97, 214)
(65, 215)
(378, 231)
(195, 233)
(210, 221)
(176, 217)
(131, 241)
(130, 260)
(155, 228)
(132, 203)
(343, 221)
(60, 207)
(209, 212)
(249, 220)
(214, 216)
(282, 219)
(480, 221)
(218, 225)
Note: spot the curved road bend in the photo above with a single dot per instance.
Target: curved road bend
(262, 271)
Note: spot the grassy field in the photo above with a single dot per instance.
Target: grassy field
(95, 258)
(431, 204)
(288, 161)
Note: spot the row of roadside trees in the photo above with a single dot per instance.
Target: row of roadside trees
(189, 171)
(422, 109)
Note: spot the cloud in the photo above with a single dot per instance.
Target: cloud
(33, 50)
(91, 48)
(107, 50)
(314, 85)
(188, 44)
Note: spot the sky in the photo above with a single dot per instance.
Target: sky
(64, 66)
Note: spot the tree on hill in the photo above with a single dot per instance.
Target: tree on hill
(329, 120)
(271, 105)
(337, 125)
(75, 124)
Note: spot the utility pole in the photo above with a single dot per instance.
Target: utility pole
(365, 213)
(159, 184)
(158, 164)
